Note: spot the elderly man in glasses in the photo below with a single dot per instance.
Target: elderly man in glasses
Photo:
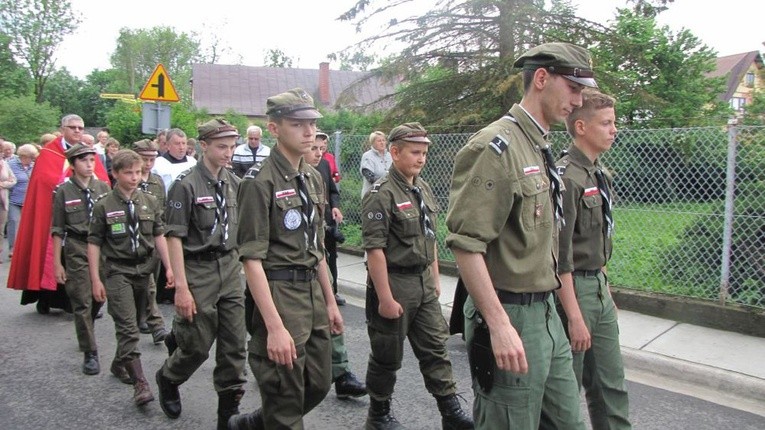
(32, 265)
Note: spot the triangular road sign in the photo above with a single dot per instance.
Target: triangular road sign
(159, 87)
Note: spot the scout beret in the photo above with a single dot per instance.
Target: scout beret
(146, 146)
(409, 132)
(216, 128)
(78, 149)
(570, 61)
(295, 104)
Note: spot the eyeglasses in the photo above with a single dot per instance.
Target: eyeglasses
(75, 127)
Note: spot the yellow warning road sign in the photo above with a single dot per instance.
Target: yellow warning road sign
(159, 87)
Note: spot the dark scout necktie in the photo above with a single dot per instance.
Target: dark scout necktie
(308, 212)
(606, 202)
(427, 228)
(221, 214)
(556, 185)
(133, 226)
(88, 202)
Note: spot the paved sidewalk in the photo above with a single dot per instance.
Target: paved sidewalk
(720, 366)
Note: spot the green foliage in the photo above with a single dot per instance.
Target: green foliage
(98, 82)
(277, 58)
(36, 28)
(22, 120)
(63, 91)
(350, 122)
(14, 79)
(124, 122)
(239, 121)
(186, 117)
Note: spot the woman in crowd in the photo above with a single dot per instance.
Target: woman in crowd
(21, 166)
(375, 162)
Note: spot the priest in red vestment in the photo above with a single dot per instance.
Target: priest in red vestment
(32, 262)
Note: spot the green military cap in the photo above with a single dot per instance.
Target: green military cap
(322, 135)
(409, 132)
(215, 129)
(570, 61)
(78, 149)
(295, 103)
(146, 146)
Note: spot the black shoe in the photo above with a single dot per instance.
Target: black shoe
(453, 417)
(347, 386)
(159, 336)
(339, 299)
(251, 421)
(90, 365)
(380, 417)
(170, 343)
(144, 328)
(169, 397)
(43, 308)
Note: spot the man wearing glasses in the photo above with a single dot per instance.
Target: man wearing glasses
(253, 152)
(32, 265)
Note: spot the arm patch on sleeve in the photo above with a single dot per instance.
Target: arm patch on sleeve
(499, 144)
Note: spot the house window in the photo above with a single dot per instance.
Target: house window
(737, 103)
(749, 79)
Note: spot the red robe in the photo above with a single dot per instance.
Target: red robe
(32, 262)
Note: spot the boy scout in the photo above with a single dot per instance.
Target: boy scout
(585, 248)
(201, 234)
(280, 243)
(126, 227)
(149, 317)
(73, 203)
(399, 233)
(505, 210)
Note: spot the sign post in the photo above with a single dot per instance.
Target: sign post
(160, 89)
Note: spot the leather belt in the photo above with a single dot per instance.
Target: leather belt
(412, 270)
(127, 261)
(509, 298)
(587, 273)
(294, 274)
(206, 255)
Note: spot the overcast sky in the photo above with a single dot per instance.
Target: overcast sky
(307, 30)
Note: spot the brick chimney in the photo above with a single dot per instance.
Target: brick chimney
(324, 83)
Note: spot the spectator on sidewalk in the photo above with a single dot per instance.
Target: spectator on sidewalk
(7, 181)
(375, 163)
(252, 152)
(585, 304)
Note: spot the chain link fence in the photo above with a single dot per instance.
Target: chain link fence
(689, 207)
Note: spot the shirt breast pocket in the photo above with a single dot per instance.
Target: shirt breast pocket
(407, 223)
(290, 211)
(592, 215)
(76, 214)
(146, 224)
(536, 211)
(205, 215)
(117, 226)
(233, 208)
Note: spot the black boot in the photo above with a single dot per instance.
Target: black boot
(169, 396)
(347, 386)
(380, 417)
(90, 364)
(452, 415)
(141, 391)
(251, 421)
(228, 406)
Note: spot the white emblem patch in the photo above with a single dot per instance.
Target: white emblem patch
(292, 219)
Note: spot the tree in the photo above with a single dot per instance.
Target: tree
(139, 51)
(277, 58)
(63, 91)
(24, 120)
(94, 108)
(14, 79)
(36, 28)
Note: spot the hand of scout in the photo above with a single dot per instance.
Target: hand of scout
(579, 335)
(390, 309)
(281, 347)
(59, 273)
(335, 320)
(99, 292)
(508, 349)
(184, 303)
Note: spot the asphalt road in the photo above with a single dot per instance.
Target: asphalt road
(41, 384)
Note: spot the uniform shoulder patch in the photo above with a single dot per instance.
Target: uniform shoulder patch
(561, 169)
(499, 144)
(253, 171)
(182, 175)
(376, 186)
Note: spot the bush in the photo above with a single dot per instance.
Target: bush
(22, 120)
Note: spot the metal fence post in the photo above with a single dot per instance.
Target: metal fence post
(338, 141)
(730, 190)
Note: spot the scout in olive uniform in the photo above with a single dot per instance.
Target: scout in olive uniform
(73, 203)
(281, 238)
(201, 231)
(399, 233)
(126, 228)
(149, 317)
(505, 211)
(585, 248)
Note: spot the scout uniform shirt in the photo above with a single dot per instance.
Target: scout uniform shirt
(110, 229)
(584, 244)
(391, 219)
(154, 186)
(73, 206)
(500, 204)
(271, 224)
(192, 210)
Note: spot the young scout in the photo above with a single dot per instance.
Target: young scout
(346, 383)
(201, 232)
(505, 210)
(149, 317)
(73, 203)
(399, 233)
(585, 248)
(280, 244)
(126, 228)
